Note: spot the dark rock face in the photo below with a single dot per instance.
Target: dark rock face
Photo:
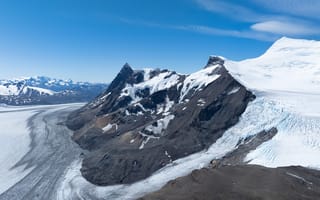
(243, 182)
(215, 60)
(147, 119)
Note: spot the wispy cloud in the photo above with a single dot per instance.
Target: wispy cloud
(305, 8)
(234, 33)
(267, 23)
(285, 28)
(207, 30)
(230, 10)
(273, 18)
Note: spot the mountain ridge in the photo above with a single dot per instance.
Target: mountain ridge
(124, 130)
(133, 128)
(45, 90)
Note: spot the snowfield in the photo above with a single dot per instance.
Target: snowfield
(291, 65)
(288, 76)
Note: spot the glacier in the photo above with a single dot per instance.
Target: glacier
(288, 75)
(14, 144)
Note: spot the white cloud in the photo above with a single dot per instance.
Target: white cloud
(266, 24)
(206, 30)
(234, 33)
(284, 28)
(273, 18)
(303, 8)
(231, 10)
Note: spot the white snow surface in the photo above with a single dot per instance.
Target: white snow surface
(107, 128)
(288, 65)
(40, 90)
(288, 76)
(14, 144)
(234, 90)
(9, 90)
(14, 90)
(296, 143)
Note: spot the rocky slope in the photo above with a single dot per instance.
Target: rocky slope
(247, 182)
(44, 90)
(148, 118)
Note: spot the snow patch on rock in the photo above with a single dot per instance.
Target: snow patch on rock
(160, 126)
(160, 82)
(198, 80)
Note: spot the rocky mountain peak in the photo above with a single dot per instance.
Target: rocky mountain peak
(148, 118)
(122, 78)
(126, 68)
(215, 60)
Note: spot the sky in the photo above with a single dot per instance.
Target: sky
(90, 40)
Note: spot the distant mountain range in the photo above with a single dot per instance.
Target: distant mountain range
(45, 90)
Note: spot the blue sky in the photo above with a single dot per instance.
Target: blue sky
(90, 40)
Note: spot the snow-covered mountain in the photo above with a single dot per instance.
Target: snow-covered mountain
(285, 81)
(149, 118)
(158, 125)
(45, 90)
